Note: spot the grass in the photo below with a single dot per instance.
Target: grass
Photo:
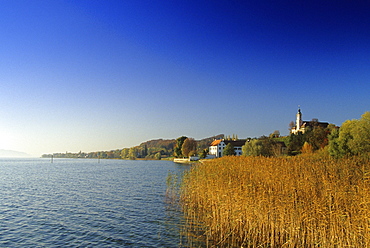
(304, 201)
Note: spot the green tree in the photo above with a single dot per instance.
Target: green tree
(124, 153)
(252, 148)
(264, 146)
(229, 150)
(143, 150)
(178, 147)
(353, 138)
(189, 147)
(203, 154)
(296, 142)
(158, 156)
(317, 137)
(275, 134)
(132, 153)
(267, 146)
(334, 146)
(361, 135)
(117, 153)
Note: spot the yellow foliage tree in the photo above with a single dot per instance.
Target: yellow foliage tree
(189, 147)
(307, 148)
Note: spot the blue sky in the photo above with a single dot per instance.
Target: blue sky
(103, 75)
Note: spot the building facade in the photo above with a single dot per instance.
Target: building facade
(216, 148)
(301, 126)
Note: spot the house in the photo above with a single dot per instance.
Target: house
(301, 126)
(216, 148)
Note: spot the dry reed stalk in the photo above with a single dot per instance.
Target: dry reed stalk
(304, 201)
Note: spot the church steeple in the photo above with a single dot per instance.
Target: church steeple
(299, 119)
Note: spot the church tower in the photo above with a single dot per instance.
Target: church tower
(299, 120)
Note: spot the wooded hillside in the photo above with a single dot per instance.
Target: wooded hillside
(152, 149)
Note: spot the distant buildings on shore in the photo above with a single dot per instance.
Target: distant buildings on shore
(216, 148)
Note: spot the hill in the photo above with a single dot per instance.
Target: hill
(12, 154)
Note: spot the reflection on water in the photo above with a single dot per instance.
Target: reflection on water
(82, 203)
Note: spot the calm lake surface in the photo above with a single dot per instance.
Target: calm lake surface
(83, 203)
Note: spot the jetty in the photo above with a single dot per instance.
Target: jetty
(186, 160)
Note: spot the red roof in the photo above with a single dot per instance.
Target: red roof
(233, 142)
(215, 142)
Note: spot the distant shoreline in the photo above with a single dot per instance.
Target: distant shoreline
(13, 154)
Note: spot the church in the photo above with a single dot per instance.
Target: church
(301, 126)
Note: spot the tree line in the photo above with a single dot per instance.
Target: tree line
(352, 138)
(152, 149)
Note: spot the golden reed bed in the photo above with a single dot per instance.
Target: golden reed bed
(304, 201)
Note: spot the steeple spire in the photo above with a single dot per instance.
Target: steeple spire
(299, 119)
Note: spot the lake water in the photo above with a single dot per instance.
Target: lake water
(83, 203)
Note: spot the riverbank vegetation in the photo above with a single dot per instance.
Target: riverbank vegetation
(310, 200)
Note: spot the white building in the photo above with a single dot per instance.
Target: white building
(216, 148)
(301, 126)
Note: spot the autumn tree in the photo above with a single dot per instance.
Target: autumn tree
(307, 148)
(189, 147)
(178, 147)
